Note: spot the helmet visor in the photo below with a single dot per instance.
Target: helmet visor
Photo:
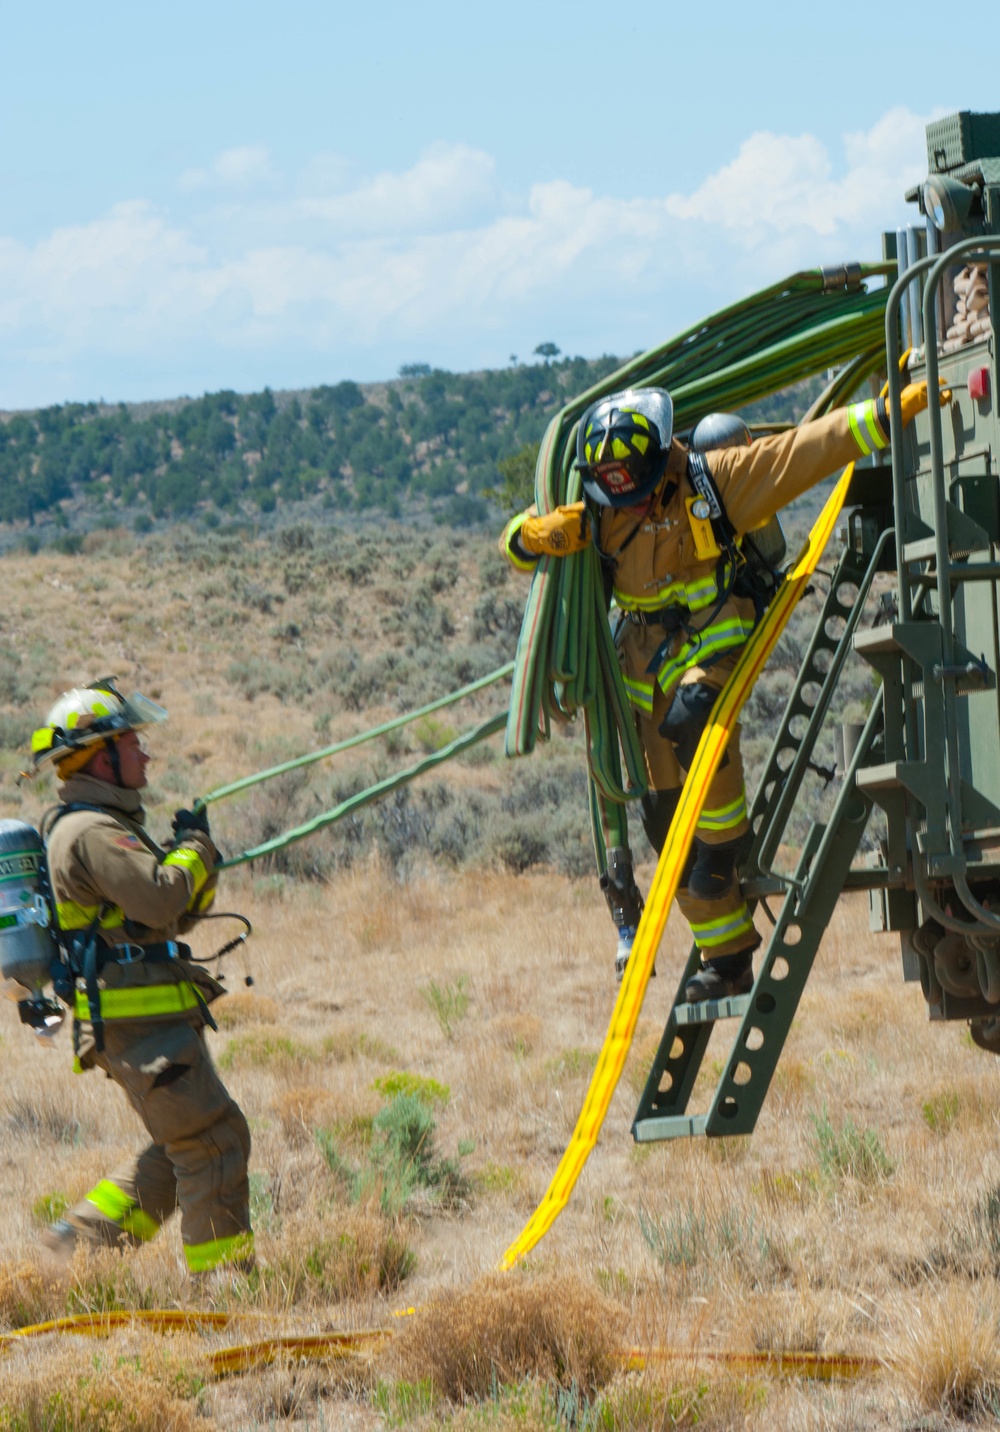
(138, 711)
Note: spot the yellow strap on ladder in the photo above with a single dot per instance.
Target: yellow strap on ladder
(708, 758)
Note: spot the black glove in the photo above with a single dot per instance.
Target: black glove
(185, 821)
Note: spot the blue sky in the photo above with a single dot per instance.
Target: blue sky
(200, 196)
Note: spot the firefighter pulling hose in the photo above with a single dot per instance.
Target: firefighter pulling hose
(115, 905)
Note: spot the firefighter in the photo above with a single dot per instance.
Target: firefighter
(140, 1005)
(672, 527)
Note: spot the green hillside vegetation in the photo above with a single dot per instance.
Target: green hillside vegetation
(432, 441)
(436, 436)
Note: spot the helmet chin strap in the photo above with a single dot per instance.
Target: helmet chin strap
(111, 746)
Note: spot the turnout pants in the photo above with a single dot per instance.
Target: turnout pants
(720, 923)
(197, 1159)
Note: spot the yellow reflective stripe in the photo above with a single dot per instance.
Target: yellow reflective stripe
(709, 933)
(218, 1250)
(852, 418)
(700, 594)
(694, 595)
(662, 597)
(72, 916)
(189, 859)
(525, 563)
(200, 903)
(725, 817)
(141, 1001)
(872, 428)
(640, 694)
(118, 1208)
(42, 740)
(865, 427)
(719, 637)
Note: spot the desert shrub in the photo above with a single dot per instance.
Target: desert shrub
(418, 1086)
(449, 1002)
(268, 1047)
(15, 731)
(948, 1354)
(849, 1152)
(505, 1328)
(107, 1280)
(245, 1007)
(400, 1159)
(28, 1295)
(710, 1238)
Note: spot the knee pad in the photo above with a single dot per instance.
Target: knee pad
(712, 870)
(686, 718)
(657, 812)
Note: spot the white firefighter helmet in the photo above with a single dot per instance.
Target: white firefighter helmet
(86, 716)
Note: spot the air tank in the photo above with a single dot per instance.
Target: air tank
(27, 941)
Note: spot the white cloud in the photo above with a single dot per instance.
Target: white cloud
(434, 258)
(781, 183)
(448, 184)
(242, 168)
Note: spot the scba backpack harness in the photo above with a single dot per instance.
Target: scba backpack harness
(35, 950)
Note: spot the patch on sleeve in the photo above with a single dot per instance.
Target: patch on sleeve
(128, 842)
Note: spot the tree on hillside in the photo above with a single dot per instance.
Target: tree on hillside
(517, 488)
(548, 351)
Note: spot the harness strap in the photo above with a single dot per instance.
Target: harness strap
(89, 973)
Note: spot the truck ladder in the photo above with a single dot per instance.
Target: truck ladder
(765, 1014)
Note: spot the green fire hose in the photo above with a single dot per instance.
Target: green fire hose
(461, 743)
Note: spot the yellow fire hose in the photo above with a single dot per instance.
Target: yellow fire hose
(338, 1346)
(708, 757)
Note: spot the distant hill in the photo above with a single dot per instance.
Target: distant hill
(431, 440)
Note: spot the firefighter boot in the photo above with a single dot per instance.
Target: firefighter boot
(721, 978)
(624, 902)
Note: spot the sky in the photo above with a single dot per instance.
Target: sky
(210, 195)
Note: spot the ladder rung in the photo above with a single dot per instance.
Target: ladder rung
(923, 550)
(676, 1126)
(706, 1011)
(880, 778)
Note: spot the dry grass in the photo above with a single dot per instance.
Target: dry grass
(125, 1385)
(948, 1354)
(500, 1331)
